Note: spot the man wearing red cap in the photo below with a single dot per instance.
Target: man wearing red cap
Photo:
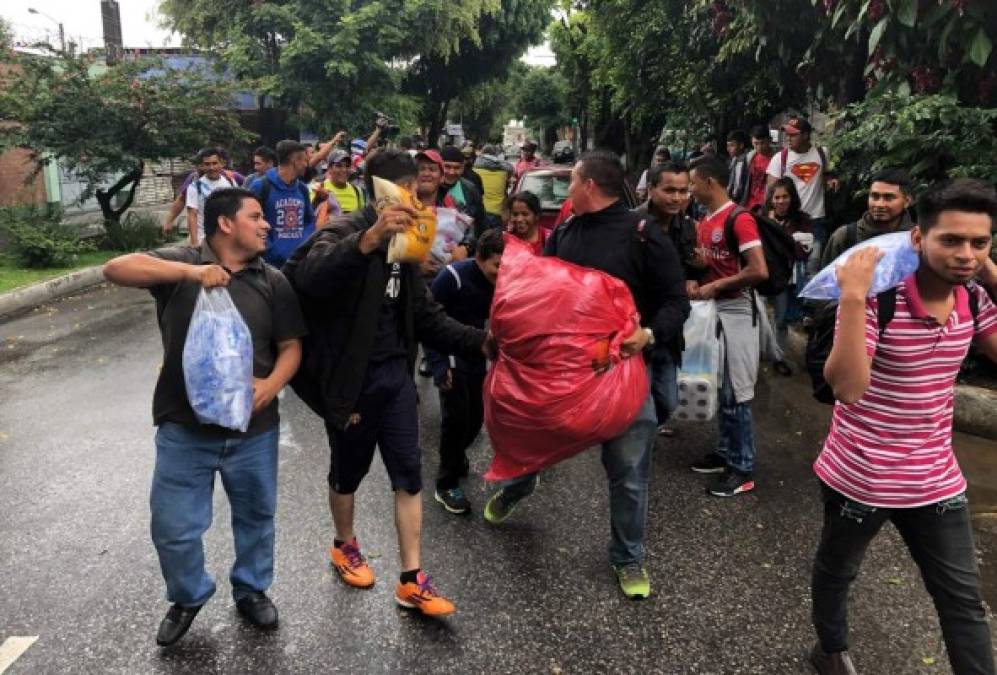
(807, 165)
(430, 192)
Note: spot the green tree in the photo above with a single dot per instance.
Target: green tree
(6, 36)
(484, 108)
(482, 56)
(330, 62)
(100, 122)
(635, 67)
(541, 98)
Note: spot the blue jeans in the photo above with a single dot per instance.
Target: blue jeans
(664, 384)
(737, 434)
(627, 460)
(182, 486)
(787, 309)
(940, 540)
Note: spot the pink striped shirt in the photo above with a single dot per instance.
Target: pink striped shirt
(893, 447)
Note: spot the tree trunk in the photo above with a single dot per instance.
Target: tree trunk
(584, 130)
(105, 197)
(436, 117)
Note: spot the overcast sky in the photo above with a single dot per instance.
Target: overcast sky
(81, 19)
(139, 19)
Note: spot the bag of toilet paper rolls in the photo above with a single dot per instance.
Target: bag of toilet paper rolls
(697, 378)
(414, 243)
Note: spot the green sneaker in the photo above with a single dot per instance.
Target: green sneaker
(502, 503)
(500, 507)
(634, 581)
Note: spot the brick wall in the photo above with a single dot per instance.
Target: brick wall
(15, 167)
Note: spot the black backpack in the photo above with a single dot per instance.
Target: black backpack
(778, 246)
(822, 336)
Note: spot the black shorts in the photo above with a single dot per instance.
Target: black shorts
(389, 419)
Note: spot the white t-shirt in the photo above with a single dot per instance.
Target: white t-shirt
(807, 173)
(642, 183)
(197, 193)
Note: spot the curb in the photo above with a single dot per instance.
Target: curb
(975, 407)
(29, 297)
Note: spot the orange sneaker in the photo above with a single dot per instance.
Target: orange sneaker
(351, 566)
(422, 595)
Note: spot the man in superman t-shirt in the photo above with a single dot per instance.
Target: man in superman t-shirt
(806, 164)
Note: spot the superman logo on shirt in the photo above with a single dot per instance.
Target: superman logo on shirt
(806, 171)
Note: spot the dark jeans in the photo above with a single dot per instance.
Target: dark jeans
(627, 461)
(939, 538)
(463, 412)
(664, 384)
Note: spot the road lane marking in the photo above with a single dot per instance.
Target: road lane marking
(12, 648)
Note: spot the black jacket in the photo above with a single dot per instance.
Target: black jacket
(682, 231)
(646, 261)
(475, 179)
(341, 291)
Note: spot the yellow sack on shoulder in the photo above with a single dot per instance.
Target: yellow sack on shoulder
(413, 244)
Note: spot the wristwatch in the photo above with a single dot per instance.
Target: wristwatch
(650, 337)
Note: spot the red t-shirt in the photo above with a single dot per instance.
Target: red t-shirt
(758, 179)
(712, 243)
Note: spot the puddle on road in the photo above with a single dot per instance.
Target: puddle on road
(978, 459)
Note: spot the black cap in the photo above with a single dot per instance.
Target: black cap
(451, 153)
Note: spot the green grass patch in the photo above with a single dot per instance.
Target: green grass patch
(12, 277)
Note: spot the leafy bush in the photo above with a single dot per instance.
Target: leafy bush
(933, 137)
(137, 232)
(35, 237)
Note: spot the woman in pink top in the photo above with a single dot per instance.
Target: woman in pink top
(524, 220)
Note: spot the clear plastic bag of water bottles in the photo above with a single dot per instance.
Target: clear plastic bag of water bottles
(218, 362)
(899, 261)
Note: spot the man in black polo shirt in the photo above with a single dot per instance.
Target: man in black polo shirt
(189, 453)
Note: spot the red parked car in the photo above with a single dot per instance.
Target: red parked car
(550, 184)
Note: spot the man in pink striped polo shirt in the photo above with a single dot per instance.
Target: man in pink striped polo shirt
(888, 455)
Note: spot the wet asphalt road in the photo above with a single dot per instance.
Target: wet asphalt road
(730, 578)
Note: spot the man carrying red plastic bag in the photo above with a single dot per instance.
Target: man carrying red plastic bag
(566, 337)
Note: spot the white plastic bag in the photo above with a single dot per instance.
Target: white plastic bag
(769, 348)
(218, 362)
(697, 378)
(899, 261)
(451, 228)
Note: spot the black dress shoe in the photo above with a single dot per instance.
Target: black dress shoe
(258, 609)
(175, 624)
(839, 663)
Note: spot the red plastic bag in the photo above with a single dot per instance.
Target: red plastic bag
(554, 321)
